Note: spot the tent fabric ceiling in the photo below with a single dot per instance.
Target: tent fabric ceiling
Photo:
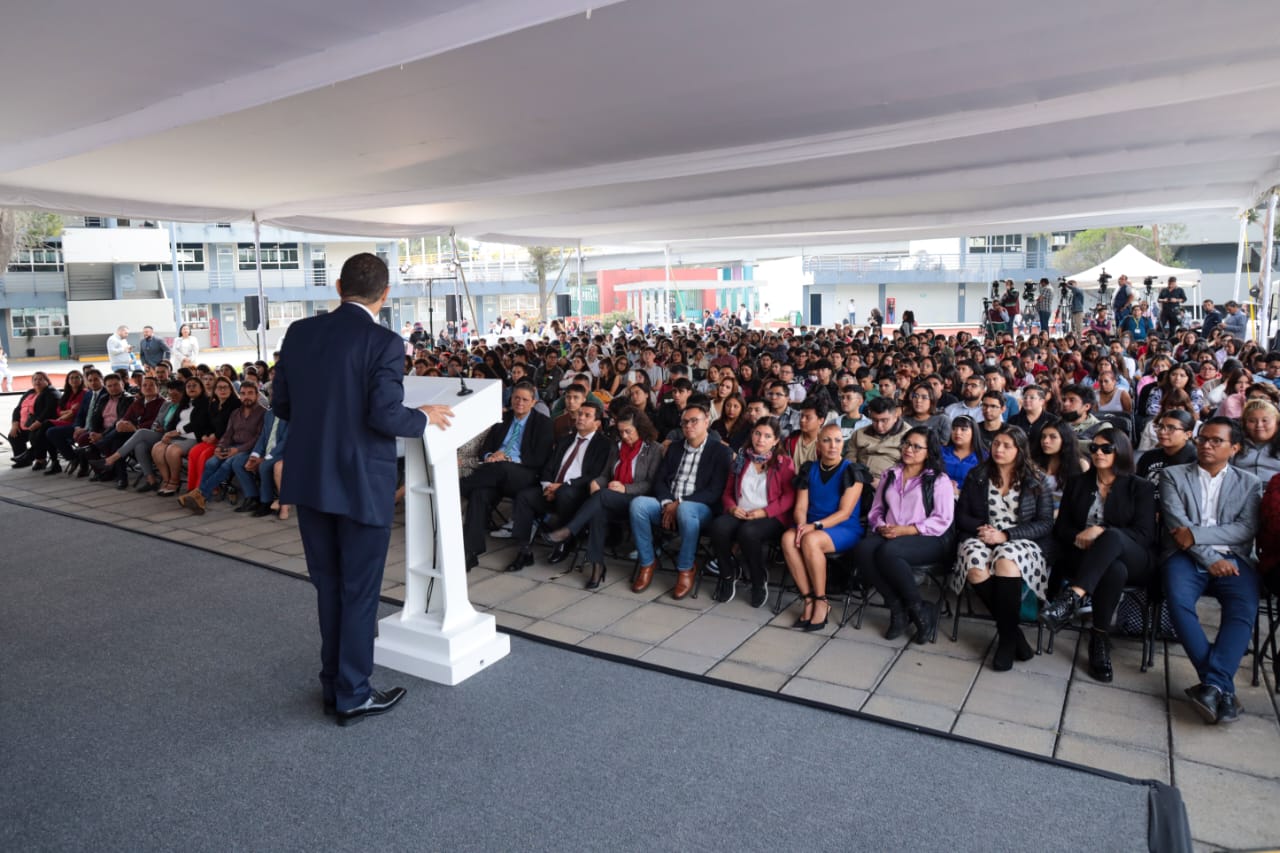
(646, 122)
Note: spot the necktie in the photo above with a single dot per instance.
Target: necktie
(573, 454)
(513, 440)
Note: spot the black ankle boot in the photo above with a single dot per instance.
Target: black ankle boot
(924, 616)
(1058, 612)
(897, 622)
(1100, 655)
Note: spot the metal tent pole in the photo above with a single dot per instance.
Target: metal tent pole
(1244, 236)
(1268, 240)
(262, 298)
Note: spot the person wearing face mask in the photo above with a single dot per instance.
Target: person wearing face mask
(1077, 411)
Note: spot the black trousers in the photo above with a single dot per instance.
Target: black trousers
(594, 516)
(886, 564)
(1114, 561)
(530, 505)
(483, 488)
(753, 538)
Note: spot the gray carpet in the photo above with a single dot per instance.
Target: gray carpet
(153, 697)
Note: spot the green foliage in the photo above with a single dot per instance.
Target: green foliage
(1092, 247)
(544, 261)
(607, 320)
(25, 229)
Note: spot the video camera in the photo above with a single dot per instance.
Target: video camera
(1103, 278)
(995, 289)
(1063, 291)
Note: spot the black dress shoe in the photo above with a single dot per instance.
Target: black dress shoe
(1205, 699)
(122, 484)
(560, 553)
(523, 558)
(1229, 708)
(247, 505)
(39, 465)
(263, 510)
(55, 467)
(1100, 656)
(330, 707)
(379, 702)
(23, 461)
(99, 466)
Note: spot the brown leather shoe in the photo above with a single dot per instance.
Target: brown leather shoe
(684, 583)
(644, 577)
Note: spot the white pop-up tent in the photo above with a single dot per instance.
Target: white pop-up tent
(642, 122)
(1133, 263)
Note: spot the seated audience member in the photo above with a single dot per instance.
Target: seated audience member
(732, 424)
(140, 442)
(46, 453)
(1260, 454)
(577, 460)
(963, 453)
(921, 410)
(970, 403)
(993, 412)
(223, 402)
(266, 461)
(876, 446)
(1106, 532)
(909, 525)
(1176, 378)
(802, 445)
(36, 409)
(109, 408)
(670, 412)
(512, 455)
(1077, 411)
(686, 497)
(828, 521)
(1033, 415)
(1058, 456)
(243, 428)
(1111, 397)
(1209, 517)
(195, 420)
(1174, 401)
(776, 398)
(575, 396)
(141, 414)
(65, 439)
(759, 495)
(1004, 520)
(1174, 445)
(851, 418)
(630, 471)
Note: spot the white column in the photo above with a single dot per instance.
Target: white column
(1244, 236)
(1267, 241)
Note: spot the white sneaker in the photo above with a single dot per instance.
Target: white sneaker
(503, 532)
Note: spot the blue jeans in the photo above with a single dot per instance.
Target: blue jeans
(216, 472)
(1184, 582)
(1044, 321)
(646, 513)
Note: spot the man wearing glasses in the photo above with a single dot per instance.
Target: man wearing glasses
(777, 399)
(1209, 517)
(686, 498)
(970, 399)
(992, 417)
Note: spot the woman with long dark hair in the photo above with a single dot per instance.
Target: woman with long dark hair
(1106, 532)
(1057, 455)
(73, 390)
(963, 452)
(225, 401)
(1005, 521)
(921, 410)
(758, 498)
(195, 420)
(909, 525)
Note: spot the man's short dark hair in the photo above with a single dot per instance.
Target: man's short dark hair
(524, 385)
(1084, 392)
(881, 405)
(701, 402)
(816, 404)
(576, 388)
(364, 277)
(1237, 432)
(682, 384)
(995, 395)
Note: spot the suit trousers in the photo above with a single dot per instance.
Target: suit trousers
(345, 561)
(1184, 582)
(61, 440)
(529, 505)
(482, 489)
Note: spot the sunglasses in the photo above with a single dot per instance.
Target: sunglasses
(1104, 449)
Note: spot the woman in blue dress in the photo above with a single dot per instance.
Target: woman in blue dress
(963, 452)
(828, 521)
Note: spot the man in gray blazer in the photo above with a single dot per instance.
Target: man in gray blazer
(1209, 514)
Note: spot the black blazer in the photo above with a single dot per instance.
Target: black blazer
(535, 443)
(1130, 508)
(96, 419)
(713, 471)
(1035, 509)
(201, 422)
(594, 457)
(45, 409)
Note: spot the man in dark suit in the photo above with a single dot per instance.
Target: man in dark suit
(339, 383)
(512, 456)
(578, 459)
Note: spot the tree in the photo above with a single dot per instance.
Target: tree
(543, 260)
(25, 229)
(1092, 247)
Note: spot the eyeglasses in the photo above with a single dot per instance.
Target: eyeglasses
(690, 421)
(1104, 449)
(1211, 440)
(921, 396)
(1169, 428)
(919, 448)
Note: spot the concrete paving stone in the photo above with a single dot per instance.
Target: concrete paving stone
(746, 674)
(1250, 745)
(1122, 716)
(677, 660)
(829, 694)
(915, 713)
(615, 646)
(1115, 757)
(500, 589)
(711, 635)
(1126, 659)
(554, 631)
(973, 641)
(543, 600)
(1059, 664)
(1005, 733)
(857, 665)
(651, 623)
(395, 592)
(871, 633)
(512, 621)
(740, 608)
(1229, 811)
(594, 612)
(934, 679)
(778, 649)
(1019, 697)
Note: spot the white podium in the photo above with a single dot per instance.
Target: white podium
(443, 640)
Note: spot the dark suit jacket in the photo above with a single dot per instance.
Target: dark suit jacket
(45, 409)
(85, 410)
(648, 462)
(122, 404)
(713, 471)
(1130, 508)
(535, 443)
(594, 457)
(340, 385)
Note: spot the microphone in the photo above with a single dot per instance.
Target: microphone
(464, 390)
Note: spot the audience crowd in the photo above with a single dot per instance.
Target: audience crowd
(1048, 477)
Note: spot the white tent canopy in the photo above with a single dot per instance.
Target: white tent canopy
(1133, 263)
(642, 122)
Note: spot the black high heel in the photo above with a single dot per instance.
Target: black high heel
(801, 622)
(598, 572)
(818, 626)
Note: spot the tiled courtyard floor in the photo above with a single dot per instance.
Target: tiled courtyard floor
(1138, 726)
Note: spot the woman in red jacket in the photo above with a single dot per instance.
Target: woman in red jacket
(758, 498)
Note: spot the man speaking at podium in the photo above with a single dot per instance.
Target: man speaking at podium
(340, 385)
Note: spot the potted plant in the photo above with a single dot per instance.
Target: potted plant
(30, 334)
